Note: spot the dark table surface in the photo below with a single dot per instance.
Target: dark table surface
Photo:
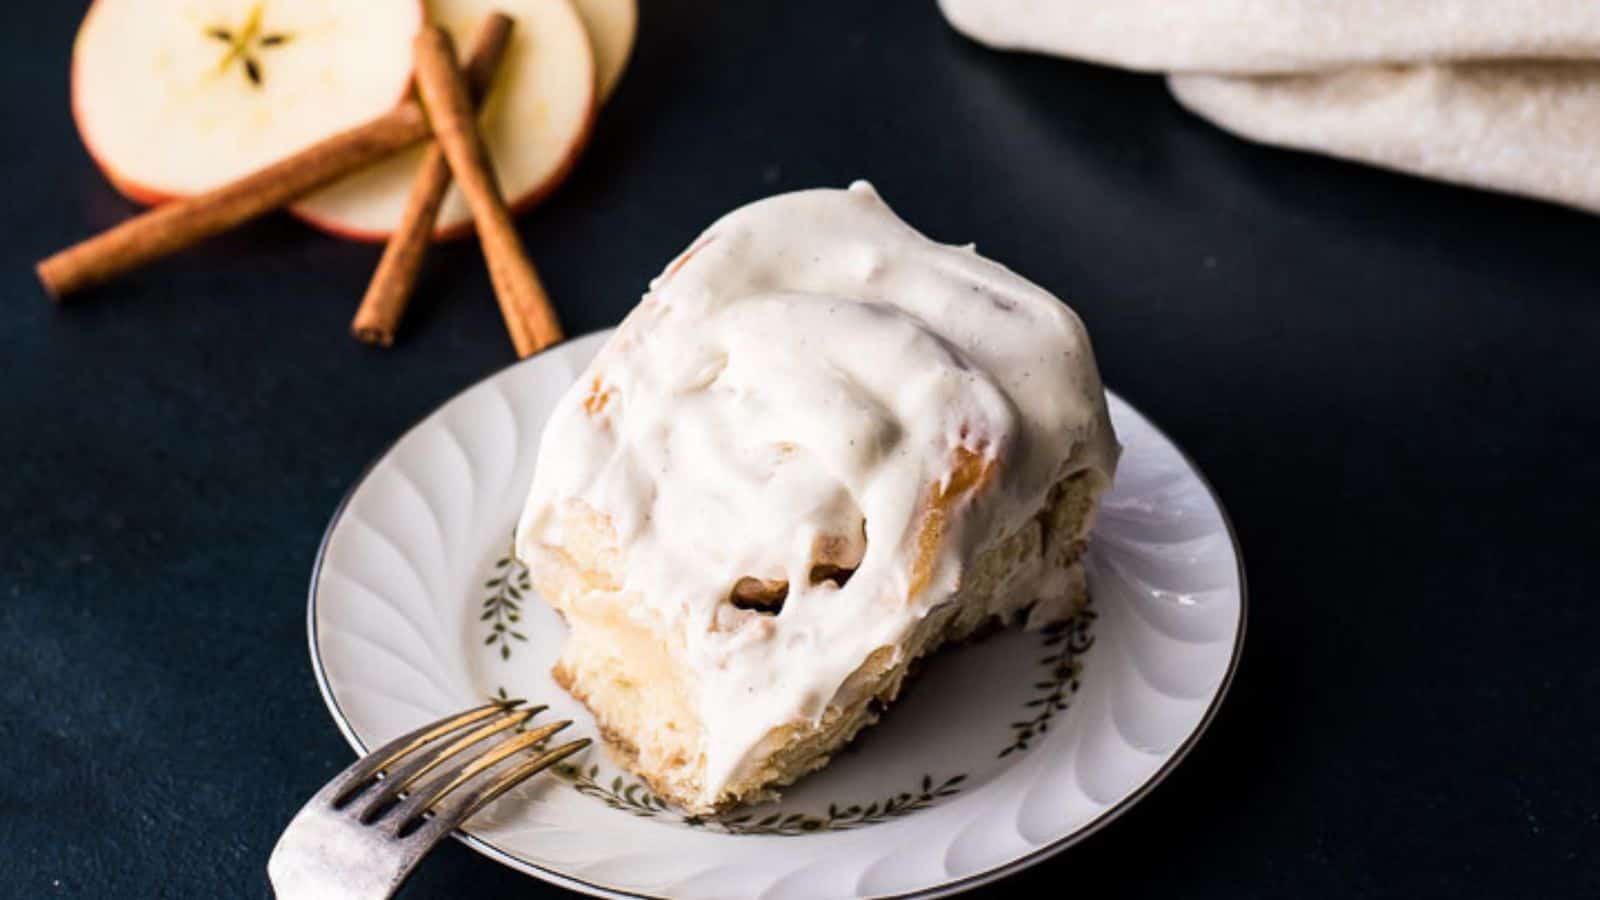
(1391, 383)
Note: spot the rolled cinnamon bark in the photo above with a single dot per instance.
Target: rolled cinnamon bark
(384, 304)
(523, 302)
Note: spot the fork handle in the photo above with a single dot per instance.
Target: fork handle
(322, 856)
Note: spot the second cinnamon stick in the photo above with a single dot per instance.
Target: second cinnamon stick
(523, 302)
(378, 317)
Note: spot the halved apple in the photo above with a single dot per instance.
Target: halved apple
(535, 120)
(611, 25)
(175, 97)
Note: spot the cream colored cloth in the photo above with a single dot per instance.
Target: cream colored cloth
(1495, 95)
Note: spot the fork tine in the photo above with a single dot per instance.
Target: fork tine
(458, 808)
(434, 791)
(406, 773)
(354, 778)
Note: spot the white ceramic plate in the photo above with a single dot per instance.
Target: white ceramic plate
(1000, 754)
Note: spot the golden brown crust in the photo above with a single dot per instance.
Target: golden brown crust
(968, 474)
(617, 743)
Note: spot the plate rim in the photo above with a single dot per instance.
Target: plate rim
(966, 882)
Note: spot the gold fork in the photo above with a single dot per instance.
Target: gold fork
(363, 833)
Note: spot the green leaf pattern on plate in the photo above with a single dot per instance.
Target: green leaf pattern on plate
(1064, 643)
(502, 610)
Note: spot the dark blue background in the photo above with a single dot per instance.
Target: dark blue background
(1391, 383)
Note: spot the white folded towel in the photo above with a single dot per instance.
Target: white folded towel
(1493, 95)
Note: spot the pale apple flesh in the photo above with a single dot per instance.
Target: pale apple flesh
(176, 97)
(535, 120)
(611, 25)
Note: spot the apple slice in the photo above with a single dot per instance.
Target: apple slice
(175, 97)
(535, 121)
(611, 25)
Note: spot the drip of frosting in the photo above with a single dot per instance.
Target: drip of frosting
(809, 373)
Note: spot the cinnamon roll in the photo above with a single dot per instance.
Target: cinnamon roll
(820, 447)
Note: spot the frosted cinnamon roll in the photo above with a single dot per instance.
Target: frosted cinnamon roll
(821, 446)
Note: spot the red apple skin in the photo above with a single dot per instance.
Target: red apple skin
(143, 194)
(138, 193)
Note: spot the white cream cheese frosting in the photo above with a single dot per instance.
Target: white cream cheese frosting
(811, 368)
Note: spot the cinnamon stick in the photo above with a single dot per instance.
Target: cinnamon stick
(523, 302)
(180, 224)
(378, 317)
